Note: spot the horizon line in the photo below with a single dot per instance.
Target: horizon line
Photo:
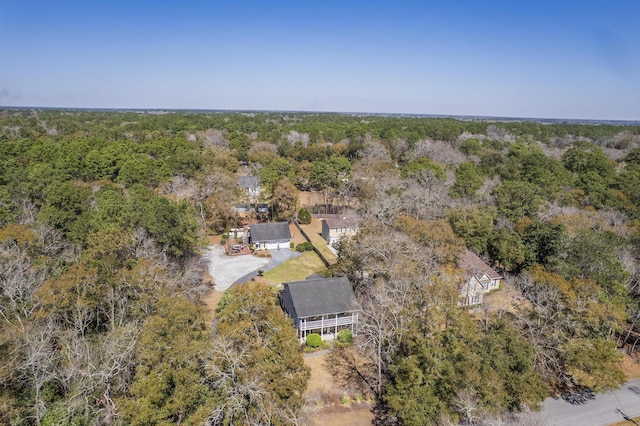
(461, 117)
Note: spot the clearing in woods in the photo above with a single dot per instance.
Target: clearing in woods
(333, 396)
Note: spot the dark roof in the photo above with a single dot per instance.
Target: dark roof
(476, 266)
(322, 296)
(248, 181)
(270, 231)
(341, 222)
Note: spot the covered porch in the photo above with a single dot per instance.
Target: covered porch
(327, 325)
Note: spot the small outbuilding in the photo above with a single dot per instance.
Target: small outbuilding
(275, 235)
(324, 306)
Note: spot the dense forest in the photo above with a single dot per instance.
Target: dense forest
(104, 214)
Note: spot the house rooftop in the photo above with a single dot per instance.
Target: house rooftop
(476, 266)
(248, 181)
(341, 222)
(270, 231)
(322, 296)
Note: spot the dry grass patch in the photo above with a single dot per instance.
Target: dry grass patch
(328, 390)
(630, 366)
(313, 230)
(211, 301)
(296, 235)
(310, 199)
(507, 299)
(626, 422)
(214, 239)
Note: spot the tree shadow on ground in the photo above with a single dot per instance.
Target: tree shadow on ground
(350, 371)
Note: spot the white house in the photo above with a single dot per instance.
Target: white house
(480, 278)
(324, 306)
(334, 228)
(272, 236)
(250, 185)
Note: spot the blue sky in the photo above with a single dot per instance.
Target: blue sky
(546, 59)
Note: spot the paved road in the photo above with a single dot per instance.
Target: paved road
(597, 412)
(277, 257)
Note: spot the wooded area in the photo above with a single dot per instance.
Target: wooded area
(103, 215)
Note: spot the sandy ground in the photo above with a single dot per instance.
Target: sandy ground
(225, 270)
(630, 366)
(324, 395)
(296, 235)
(211, 301)
(310, 199)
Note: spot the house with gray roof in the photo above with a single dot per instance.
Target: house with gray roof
(334, 228)
(324, 306)
(250, 185)
(479, 279)
(275, 235)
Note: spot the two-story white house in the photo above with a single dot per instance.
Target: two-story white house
(324, 306)
(334, 228)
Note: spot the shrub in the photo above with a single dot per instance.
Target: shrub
(345, 400)
(304, 216)
(291, 244)
(314, 340)
(345, 335)
(306, 246)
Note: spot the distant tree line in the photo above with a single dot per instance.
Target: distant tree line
(103, 214)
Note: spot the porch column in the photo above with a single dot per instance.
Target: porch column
(354, 324)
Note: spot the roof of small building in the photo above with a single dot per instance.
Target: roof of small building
(322, 296)
(476, 266)
(248, 181)
(341, 222)
(270, 231)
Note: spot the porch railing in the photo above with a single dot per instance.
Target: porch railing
(327, 322)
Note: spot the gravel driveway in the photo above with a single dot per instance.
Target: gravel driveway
(229, 270)
(277, 257)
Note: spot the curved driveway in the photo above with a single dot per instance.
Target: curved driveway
(277, 257)
(229, 270)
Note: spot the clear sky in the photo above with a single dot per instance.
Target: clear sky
(518, 58)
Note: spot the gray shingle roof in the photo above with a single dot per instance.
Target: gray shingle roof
(345, 222)
(476, 266)
(248, 181)
(322, 296)
(270, 232)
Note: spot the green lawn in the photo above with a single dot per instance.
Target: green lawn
(296, 269)
(312, 230)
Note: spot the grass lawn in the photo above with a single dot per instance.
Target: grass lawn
(313, 230)
(296, 269)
